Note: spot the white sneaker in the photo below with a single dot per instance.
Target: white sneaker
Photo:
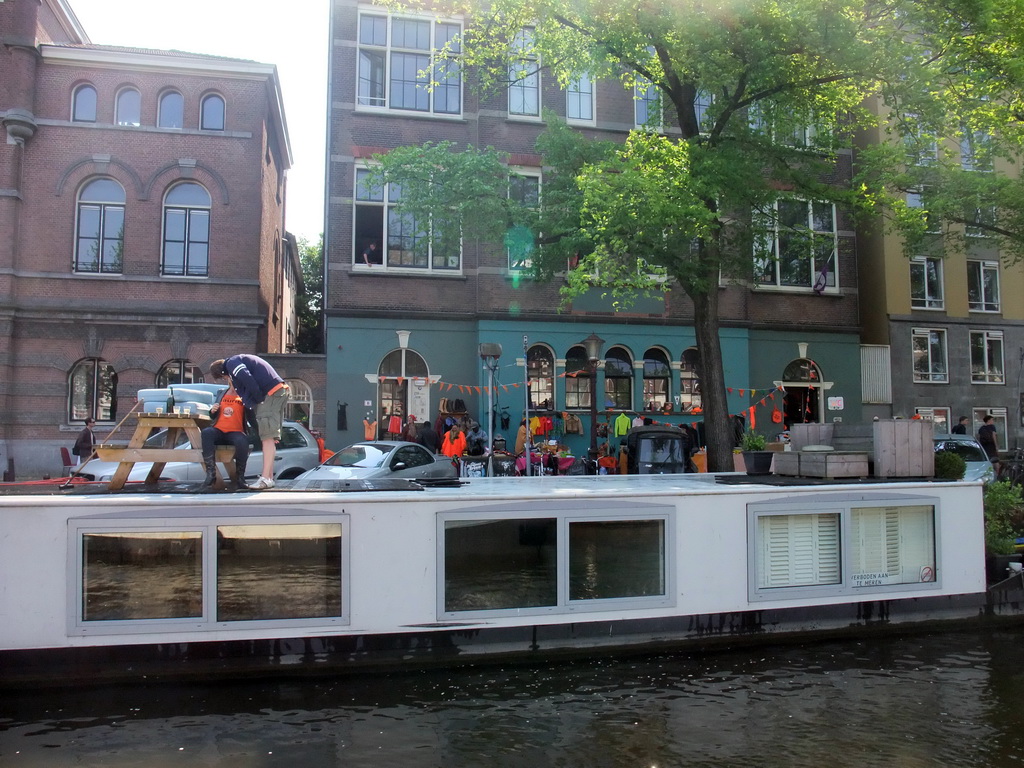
(262, 484)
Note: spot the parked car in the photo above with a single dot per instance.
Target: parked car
(383, 459)
(979, 467)
(296, 452)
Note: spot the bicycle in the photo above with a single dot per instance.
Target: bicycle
(1012, 470)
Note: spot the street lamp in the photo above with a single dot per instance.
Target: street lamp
(593, 344)
(490, 353)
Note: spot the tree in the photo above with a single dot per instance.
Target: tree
(311, 301)
(754, 100)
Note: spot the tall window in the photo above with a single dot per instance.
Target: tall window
(926, 283)
(83, 104)
(394, 372)
(918, 200)
(211, 113)
(524, 76)
(579, 100)
(579, 379)
(795, 245)
(540, 374)
(300, 402)
(657, 374)
(99, 241)
(618, 380)
(406, 242)
(409, 63)
(689, 383)
(983, 286)
(186, 248)
(702, 101)
(129, 107)
(523, 188)
(171, 112)
(92, 391)
(976, 151)
(178, 372)
(929, 353)
(987, 357)
(920, 145)
(647, 105)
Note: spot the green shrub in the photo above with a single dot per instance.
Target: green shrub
(949, 466)
(753, 441)
(1003, 506)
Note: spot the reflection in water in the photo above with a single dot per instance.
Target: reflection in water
(942, 700)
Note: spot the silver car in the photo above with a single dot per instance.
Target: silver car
(979, 467)
(296, 452)
(379, 459)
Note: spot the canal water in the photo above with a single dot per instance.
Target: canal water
(953, 699)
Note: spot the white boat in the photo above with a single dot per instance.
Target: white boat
(157, 584)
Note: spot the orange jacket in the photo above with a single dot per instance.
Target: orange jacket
(453, 448)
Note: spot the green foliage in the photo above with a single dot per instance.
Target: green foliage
(949, 466)
(752, 441)
(1004, 507)
(310, 302)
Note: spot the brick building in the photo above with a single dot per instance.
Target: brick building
(403, 328)
(141, 225)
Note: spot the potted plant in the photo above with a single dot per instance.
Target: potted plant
(1003, 506)
(756, 459)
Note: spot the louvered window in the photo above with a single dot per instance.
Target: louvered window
(891, 545)
(798, 550)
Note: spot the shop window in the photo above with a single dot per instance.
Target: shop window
(171, 110)
(399, 241)
(178, 372)
(92, 391)
(795, 245)
(618, 380)
(99, 239)
(579, 379)
(211, 113)
(186, 239)
(987, 357)
(929, 355)
(409, 63)
(83, 104)
(926, 283)
(128, 110)
(657, 376)
(540, 373)
(689, 381)
(524, 76)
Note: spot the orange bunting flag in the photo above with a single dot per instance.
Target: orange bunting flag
(477, 390)
(729, 389)
(743, 392)
(382, 379)
(753, 417)
(401, 379)
(516, 385)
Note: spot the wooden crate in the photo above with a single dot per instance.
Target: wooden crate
(904, 448)
(827, 464)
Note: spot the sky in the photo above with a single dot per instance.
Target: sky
(291, 35)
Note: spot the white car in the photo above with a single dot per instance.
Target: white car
(979, 466)
(296, 452)
(383, 459)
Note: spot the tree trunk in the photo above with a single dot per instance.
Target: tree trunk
(718, 428)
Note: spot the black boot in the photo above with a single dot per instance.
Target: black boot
(240, 484)
(211, 473)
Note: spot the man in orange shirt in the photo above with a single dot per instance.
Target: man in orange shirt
(228, 429)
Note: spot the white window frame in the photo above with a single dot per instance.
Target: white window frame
(583, 93)
(772, 230)
(928, 301)
(915, 199)
(524, 173)
(387, 205)
(999, 417)
(982, 269)
(992, 347)
(825, 546)
(524, 78)
(438, 60)
(939, 415)
(120, 116)
(970, 143)
(933, 376)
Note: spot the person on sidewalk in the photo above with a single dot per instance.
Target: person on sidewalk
(264, 392)
(228, 429)
(85, 441)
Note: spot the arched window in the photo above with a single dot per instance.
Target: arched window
(92, 391)
(689, 384)
(83, 104)
(578, 379)
(186, 248)
(179, 372)
(657, 375)
(540, 374)
(128, 110)
(211, 113)
(171, 113)
(802, 369)
(394, 373)
(618, 380)
(300, 402)
(99, 237)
